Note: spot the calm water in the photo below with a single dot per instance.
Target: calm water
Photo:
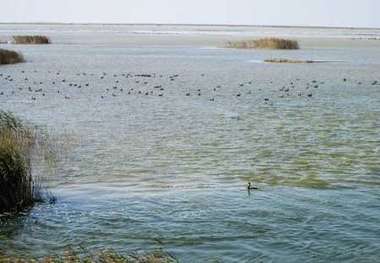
(150, 171)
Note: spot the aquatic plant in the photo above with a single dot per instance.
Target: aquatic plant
(18, 190)
(264, 43)
(31, 40)
(10, 57)
(291, 61)
(107, 256)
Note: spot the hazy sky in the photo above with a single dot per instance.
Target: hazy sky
(360, 13)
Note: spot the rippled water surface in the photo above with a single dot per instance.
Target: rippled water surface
(169, 169)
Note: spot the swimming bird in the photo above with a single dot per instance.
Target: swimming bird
(251, 187)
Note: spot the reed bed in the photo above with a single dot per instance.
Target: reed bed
(291, 61)
(264, 43)
(108, 256)
(10, 57)
(35, 40)
(16, 186)
(18, 189)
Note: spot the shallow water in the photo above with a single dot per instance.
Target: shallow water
(170, 171)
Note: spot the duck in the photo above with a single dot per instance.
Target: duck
(251, 187)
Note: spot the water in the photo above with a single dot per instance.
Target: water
(149, 171)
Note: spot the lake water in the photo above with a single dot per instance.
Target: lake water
(168, 132)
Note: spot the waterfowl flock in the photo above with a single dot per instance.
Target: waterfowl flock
(105, 86)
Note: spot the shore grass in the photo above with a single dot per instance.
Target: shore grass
(107, 256)
(264, 43)
(10, 57)
(31, 40)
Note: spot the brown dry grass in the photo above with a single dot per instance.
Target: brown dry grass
(10, 57)
(31, 40)
(265, 43)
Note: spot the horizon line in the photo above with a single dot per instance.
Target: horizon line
(187, 24)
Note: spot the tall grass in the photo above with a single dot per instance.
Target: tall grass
(31, 40)
(265, 43)
(10, 57)
(18, 190)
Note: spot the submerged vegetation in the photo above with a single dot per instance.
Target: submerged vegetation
(10, 57)
(31, 40)
(265, 43)
(18, 190)
(103, 257)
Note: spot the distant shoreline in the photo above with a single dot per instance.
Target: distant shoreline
(190, 25)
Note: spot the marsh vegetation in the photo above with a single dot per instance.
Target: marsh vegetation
(264, 43)
(290, 61)
(35, 40)
(18, 189)
(10, 57)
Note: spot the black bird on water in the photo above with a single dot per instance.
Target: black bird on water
(251, 187)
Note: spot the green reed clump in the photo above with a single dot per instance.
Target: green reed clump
(10, 57)
(265, 43)
(17, 187)
(107, 256)
(31, 40)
